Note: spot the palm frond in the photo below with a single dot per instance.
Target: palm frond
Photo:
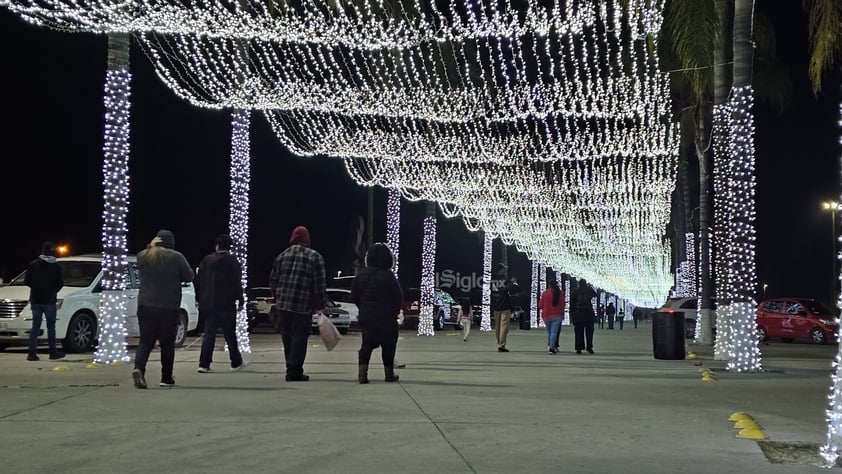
(825, 24)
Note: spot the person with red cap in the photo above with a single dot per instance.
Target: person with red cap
(298, 282)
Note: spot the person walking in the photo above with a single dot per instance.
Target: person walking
(465, 318)
(621, 317)
(551, 305)
(378, 295)
(219, 295)
(583, 316)
(635, 316)
(298, 282)
(501, 307)
(44, 279)
(600, 315)
(162, 271)
(610, 313)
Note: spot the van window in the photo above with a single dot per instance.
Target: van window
(690, 304)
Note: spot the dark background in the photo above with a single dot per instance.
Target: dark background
(51, 91)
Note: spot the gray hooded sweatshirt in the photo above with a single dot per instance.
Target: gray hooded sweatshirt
(162, 271)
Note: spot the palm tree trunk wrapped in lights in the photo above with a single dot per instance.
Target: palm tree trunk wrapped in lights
(428, 271)
(115, 169)
(487, 248)
(238, 221)
(743, 352)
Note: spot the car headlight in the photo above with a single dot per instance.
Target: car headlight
(58, 303)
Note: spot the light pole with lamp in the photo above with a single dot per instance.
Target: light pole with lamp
(833, 206)
(765, 285)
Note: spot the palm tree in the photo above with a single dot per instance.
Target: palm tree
(825, 26)
(112, 346)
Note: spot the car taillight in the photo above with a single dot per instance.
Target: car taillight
(670, 311)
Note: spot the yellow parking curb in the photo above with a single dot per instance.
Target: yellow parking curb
(740, 416)
(61, 368)
(691, 355)
(751, 434)
(92, 366)
(746, 424)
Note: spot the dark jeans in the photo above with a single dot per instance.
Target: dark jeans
(383, 336)
(610, 321)
(620, 320)
(295, 329)
(157, 324)
(48, 311)
(584, 333)
(226, 320)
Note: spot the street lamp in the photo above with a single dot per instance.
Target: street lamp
(765, 285)
(833, 206)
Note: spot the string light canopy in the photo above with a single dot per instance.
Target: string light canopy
(546, 125)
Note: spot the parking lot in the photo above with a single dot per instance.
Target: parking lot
(459, 407)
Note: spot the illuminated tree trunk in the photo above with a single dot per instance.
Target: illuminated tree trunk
(744, 354)
(428, 270)
(238, 221)
(393, 225)
(487, 248)
(115, 170)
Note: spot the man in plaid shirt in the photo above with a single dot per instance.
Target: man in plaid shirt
(298, 282)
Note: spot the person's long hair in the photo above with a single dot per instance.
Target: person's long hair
(466, 306)
(556, 292)
(153, 255)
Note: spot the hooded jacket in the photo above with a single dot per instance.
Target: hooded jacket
(376, 290)
(218, 283)
(162, 271)
(44, 279)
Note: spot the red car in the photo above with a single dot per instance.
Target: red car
(797, 318)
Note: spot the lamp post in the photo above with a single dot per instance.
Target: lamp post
(765, 285)
(833, 206)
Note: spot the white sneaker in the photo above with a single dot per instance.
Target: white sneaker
(203, 370)
(241, 366)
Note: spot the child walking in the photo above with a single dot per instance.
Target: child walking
(465, 318)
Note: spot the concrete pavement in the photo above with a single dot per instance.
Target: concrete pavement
(459, 407)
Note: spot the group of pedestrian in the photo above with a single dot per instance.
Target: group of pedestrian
(552, 306)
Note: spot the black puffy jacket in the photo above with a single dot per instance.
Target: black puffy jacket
(378, 295)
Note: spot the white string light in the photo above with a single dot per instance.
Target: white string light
(428, 270)
(487, 248)
(535, 289)
(115, 180)
(393, 225)
(238, 221)
(830, 451)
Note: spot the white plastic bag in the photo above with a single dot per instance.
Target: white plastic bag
(330, 335)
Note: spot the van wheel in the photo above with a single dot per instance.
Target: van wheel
(3, 347)
(439, 322)
(80, 333)
(817, 336)
(181, 330)
(762, 336)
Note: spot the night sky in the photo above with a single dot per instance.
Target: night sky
(51, 92)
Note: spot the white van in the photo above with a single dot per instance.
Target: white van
(77, 318)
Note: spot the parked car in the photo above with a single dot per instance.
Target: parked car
(77, 317)
(445, 310)
(342, 298)
(796, 318)
(260, 301)
(687, 307)
(411, 307)
(517, 313)
(338, 316)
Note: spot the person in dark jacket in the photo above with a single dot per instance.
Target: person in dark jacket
(501, 309)
(611, 313)
(583, 316)
(219, 295)
(298, 283)
(378, 295)
(44, 279)
(162, 271)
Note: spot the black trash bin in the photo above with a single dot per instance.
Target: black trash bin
(524, 321)
(668, 335)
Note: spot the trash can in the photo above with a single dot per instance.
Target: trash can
(668, 335)
(524, 320)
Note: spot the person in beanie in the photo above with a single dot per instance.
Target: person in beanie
(378, 295)
(44, 279)
(219, 295)
(298, 282)
(162, 271)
